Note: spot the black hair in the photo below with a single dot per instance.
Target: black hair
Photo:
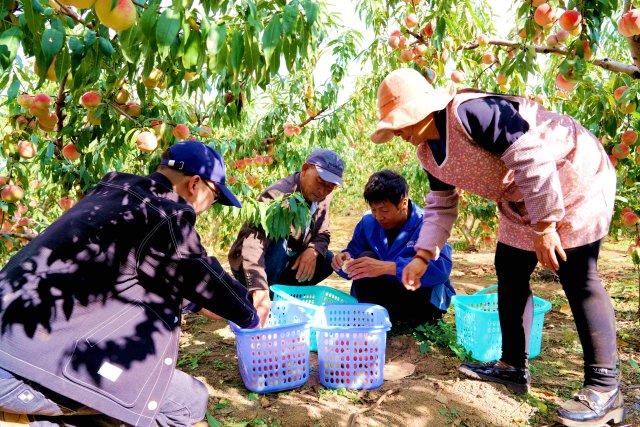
(386, 185)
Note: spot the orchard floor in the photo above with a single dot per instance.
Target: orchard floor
(434, 395)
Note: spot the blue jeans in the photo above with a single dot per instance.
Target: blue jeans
(184, 404)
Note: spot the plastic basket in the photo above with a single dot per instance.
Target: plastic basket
(478, 325)
(352, 342)
(311, 299)
(275, 357)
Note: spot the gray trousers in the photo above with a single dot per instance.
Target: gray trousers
(185, 403)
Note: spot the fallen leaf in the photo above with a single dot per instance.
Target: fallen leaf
(394, 371)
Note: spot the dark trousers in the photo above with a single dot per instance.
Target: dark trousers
(185, 403)
(590, 304)
(404, 306)
(278, 263)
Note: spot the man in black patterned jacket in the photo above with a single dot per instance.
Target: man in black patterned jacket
(90, 309)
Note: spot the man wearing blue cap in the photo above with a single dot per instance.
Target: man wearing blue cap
(90, 309)
(303, 258)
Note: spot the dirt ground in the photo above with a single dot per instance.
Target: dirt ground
(434, 395)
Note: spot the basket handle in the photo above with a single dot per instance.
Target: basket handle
(486, 290)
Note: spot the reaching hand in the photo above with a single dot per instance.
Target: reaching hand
(546, 247)
(262, 303)
(339, 259)
(306, 265)
(412, 274)
(369, 267)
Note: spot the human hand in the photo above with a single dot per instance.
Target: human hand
(210, 314)
(546, 247)
(365, 266)
(262, 303)
(305, 265)
(339, 259)
(412, 274)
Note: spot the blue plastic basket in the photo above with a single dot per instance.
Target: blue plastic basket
(275, 357)
(352, 341)
(478, 325)
(311, 299)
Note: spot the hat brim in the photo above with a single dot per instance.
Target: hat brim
(410, 113)
(328, 176)
(226, 197)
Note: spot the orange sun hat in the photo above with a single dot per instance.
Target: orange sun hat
(405, 97)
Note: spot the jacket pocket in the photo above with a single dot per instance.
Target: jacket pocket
(119, 356)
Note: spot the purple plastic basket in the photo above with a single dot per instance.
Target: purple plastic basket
(275, 357)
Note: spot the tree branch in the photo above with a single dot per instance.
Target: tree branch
(121, 111)
(71, 14)
(19, 235)
(59, 106)
(605, 63)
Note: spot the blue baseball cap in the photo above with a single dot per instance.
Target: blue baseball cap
(329, 165)
(194, 158)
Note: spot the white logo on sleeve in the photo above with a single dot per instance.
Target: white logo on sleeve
(109, 371)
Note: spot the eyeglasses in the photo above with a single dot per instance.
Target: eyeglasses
(213, 189)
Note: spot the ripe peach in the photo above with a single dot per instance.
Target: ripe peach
(205, 132)
(158, 127)
(70, 152)
(133, 109)
(25, 101)
(570, 19)
(120, 18)
(406, 55)
(629, 137)
(488, 58)
(457, 76)
(181, 131)
(402, 42)
(393, 42)
(427, 31)
(552, 40)
(11, 193)
(619, 92)
(48, 122)
(501, 79)
(565, 84)
(40, 105)
(189, 75)
(562, 36)
(90, 99)
(411, 20)
(122, 96)
(620, 151)
(146, 142)
(544, 14)
(92, 119)
(290, 129)
(629, 23)
(482, 40)
(629, 219)
(66, 203)
(536, 3)
(26, 149)
(154, 78)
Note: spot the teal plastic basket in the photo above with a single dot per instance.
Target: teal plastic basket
(478, 325)
(311, 299)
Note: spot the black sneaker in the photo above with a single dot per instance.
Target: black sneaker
(515, 379)
(589, 408)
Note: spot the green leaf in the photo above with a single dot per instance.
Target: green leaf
(105, 46)
(311, 11)
(76, 46)
(289, 17)
(30, 15)
(212, 421)
(51, 43)
(253, 396)
(237, 51)
(89, 38)
(271, 37)
(216, 38)
(14, 88)
(9, 43)
(149, 18)
(192, 52)
(168, 27)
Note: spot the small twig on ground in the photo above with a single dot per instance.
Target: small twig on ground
(354, 416)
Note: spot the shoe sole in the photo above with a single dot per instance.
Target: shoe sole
(615, 415)
(513, 387)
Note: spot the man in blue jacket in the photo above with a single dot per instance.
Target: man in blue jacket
(381, 246)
